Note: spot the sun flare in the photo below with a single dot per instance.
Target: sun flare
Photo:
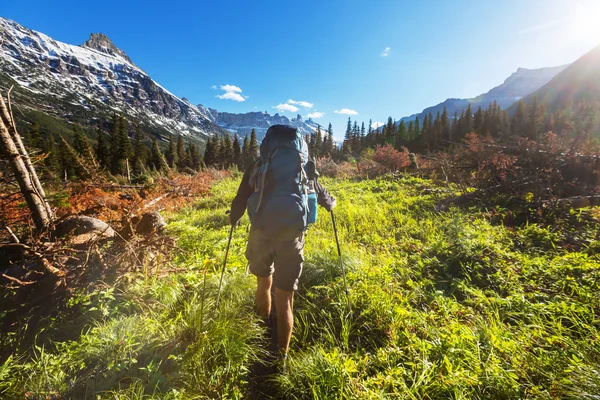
(587, 21)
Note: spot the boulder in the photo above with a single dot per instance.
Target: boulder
(82, 229)
(149, 223)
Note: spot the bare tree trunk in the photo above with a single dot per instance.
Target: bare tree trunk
(31, 188)
(8, 114)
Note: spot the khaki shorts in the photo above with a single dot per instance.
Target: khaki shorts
(281, 258)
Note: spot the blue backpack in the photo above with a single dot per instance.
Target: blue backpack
(278, 208)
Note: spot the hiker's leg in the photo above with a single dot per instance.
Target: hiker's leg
(263, 295)
(259, 255)
(284, 303)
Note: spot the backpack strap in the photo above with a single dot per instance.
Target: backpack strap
(263, 178)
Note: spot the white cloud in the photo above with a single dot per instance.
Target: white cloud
(377, 124)
(315, 114)
(232, 92)
(304, 104)
(286, 107)
(231, 96)
(386, 52)
(346, 111)
(214, 87)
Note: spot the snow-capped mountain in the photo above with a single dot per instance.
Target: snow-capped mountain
(90, 81)
(242, 124)
(518, 85)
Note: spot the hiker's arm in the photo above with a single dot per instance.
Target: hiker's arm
(324, 199)
(238, 206)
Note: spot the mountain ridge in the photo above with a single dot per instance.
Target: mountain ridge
(519, 84)
(92, 81)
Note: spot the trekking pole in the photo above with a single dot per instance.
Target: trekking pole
(337, 241)
(224, 264)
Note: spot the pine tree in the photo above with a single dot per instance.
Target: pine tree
(82, 146)
(209, 152)
(468, 123)
(139, 152)
(417, 128)
(226, 153)
(52, 161)
(245, 153)
(402, 136)
(237, 152)
(253, 149)
(535, 119)
(33, 138)
(182, 157)
(445, 125)
(411, 131)
(519, 120)
(102, 150)
(157, 158)
(171, 153)
(194, 157)
(71, 162)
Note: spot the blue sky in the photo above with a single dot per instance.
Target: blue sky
(377, 58)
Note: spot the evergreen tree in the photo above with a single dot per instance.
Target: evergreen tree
(253, 148)
(226, 151)
(52, 161)
(329, 145)
(237, 153)
(535, 119)
(390, 129)
(468, 122)
(445, 125)
(402, 136)
(194, 157)
(209, 152)
(171, 153)
(411, 131)
(417, 128)
(139, 152)
(82, 146)
(245, 153)
(33, 138)
(102, 153)
(157, 158)
(519, 120)
(182, 156)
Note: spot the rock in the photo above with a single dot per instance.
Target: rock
(83, 229)
(149, 223)
(144, 224)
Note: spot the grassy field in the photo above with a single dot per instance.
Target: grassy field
(445, 305)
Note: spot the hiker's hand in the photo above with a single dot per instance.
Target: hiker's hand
(332, 204)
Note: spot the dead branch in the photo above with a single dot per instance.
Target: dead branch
(15, 280)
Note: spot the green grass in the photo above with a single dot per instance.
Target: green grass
(445, 305)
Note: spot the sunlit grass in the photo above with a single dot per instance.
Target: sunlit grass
(445, 305)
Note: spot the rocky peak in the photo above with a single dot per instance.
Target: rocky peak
(102, 43)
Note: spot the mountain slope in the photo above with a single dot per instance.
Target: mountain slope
(91, 81)
(516, 86)
(579, 82)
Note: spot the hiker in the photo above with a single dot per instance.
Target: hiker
(274, 189)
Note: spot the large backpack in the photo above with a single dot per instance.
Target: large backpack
(278, 207)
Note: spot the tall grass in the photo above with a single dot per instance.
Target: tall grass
(444, 306)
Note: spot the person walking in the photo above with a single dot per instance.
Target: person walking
(274, 190)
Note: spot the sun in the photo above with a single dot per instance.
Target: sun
(587, 21)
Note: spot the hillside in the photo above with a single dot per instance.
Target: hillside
(518, 85)
(445, 305)
(91, 82)
(580, 82)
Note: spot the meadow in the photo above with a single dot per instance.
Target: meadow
(445, 305)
